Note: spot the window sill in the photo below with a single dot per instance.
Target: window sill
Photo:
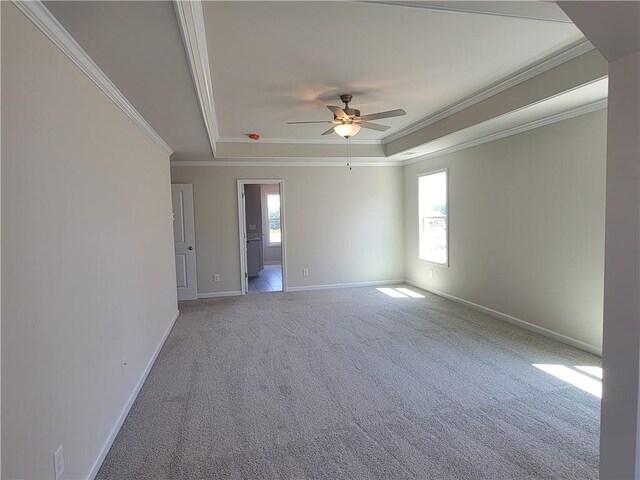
(429, 262)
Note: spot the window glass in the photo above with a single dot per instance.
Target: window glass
(433, 217)
(273, 212)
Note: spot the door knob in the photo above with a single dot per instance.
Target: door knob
(190, 247)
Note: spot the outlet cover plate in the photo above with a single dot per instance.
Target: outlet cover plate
(58, 463)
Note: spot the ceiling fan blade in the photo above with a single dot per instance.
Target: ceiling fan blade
(328, 131)
(337, 111)
(391, 113)
(374, 126)
(317, 121)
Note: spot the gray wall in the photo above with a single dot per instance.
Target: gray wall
(526, 226)
(87, 248)
(620, 446)
(253, 210)
(344, 226)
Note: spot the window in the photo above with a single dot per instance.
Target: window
(273, 216)
(433, 218)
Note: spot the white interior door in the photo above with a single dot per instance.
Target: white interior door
(184, 234)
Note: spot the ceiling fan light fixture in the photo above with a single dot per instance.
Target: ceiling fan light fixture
(348, 121)
(347, 130)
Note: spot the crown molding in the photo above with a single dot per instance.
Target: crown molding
(290, 162)
(387, 162)
(569, 53)
(541, 122)
(42, 18)
(303, 141)
(192, 29)
(454, 9)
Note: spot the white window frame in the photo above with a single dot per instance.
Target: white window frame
(266, 219)
(425, 174)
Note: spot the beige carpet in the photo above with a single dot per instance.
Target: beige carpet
(354, 384)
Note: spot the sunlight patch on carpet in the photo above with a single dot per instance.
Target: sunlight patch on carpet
(400, 292)
(573, 377)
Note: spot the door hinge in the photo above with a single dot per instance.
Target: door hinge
(246, 275)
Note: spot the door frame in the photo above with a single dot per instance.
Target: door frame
(242, 222)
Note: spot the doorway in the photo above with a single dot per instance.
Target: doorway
(262, 238)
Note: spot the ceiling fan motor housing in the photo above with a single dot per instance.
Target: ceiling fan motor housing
(351, 112)
(346, 98)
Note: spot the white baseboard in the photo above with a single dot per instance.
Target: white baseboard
(233, 293)
(515, 321)
(344, 285)
(93, 471)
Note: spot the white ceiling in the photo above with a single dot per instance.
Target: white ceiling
(138, 45)
(273, 62)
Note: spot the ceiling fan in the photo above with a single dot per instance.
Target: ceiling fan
(348, 121)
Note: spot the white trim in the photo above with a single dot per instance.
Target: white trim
(302, 141)
(49, 25)
(515, 321)
(97, 463)
(233, 293)
(559, 58)
(541, 122)
(331, 286)
(290, 162)
(192, 28)
(242, 237)
(472, 11)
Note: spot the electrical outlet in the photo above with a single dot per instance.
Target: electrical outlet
(58, 463)
(216, 277)
(124, 365)
(430, 273)
(305, 272)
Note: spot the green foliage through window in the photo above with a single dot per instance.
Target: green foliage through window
(273, 212)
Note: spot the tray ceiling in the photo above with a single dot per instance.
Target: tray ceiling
(272, 62)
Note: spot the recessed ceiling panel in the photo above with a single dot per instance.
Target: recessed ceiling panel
(274, 62)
